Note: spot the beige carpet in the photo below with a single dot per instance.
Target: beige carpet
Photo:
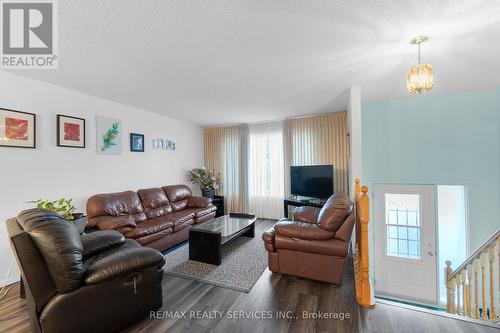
(243, 261)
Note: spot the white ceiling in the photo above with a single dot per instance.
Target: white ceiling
(216, 62)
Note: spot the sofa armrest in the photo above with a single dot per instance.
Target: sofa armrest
(302, 230)
(118, 223)
(344, 232)
(98, 241)
(122, 260)
(306, 214)
(268, 238)
(199, 202)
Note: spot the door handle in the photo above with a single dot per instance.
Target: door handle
(430, 253)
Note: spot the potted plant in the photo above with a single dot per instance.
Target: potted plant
(65, 208)
(206, 179)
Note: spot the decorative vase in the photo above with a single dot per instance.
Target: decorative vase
(208, 193)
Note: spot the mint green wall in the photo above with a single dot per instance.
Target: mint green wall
(446, 140)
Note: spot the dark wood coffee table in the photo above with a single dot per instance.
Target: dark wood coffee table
(206, 239)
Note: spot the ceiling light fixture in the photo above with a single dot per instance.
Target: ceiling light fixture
(420, 77)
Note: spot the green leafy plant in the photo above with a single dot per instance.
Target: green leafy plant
(63, 207)
(109, 138)
(206, 179)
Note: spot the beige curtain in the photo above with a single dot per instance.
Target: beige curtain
(318, 140)
(226, 154)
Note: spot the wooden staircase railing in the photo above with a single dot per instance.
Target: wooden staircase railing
(363, 285)
(471, 287)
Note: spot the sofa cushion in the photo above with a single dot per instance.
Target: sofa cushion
(145, 240)
(181, 217)
(329, 247)
(302, 230)
(155, 202)
(149, 227)
(119, 223)
(199, 202)
(306, 214)
(334, 212)
(95, 242)
(121, 260)
(178, 196)
(183, 225)
(59, 243)
(125, 203)
(200, 212)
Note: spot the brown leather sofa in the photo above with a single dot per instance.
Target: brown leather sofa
(99, 282)
(315, 245)
(155, 217)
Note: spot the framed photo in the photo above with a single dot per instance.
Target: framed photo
(136, 142)
(109, 136)
(70, 131)
(17, 129)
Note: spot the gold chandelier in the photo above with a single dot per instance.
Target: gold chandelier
(419, 78)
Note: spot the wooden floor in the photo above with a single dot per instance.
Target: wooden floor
(272, 292)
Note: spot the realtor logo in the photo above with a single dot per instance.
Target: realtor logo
(29, 34)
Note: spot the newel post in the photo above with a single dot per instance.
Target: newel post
(449, 287)
(364, 218)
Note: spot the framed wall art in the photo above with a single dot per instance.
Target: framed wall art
(164, 144)
(109, 136)
(17, 129)
(70, 131)
(136, 142)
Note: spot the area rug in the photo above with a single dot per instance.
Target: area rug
(243, 262)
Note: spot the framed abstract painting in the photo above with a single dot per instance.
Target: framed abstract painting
(137, 142)
(17, 129)
(109, 136)
(70, 131)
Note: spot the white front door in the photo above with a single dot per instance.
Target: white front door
(405, 242)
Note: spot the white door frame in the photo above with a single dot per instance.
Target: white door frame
(379, 207)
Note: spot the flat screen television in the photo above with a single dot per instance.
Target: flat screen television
(314, 181)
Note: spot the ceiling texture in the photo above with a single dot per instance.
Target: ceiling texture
(213, 62)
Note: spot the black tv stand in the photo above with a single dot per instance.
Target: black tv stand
(298, 201)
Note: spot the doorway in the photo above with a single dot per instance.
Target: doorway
(405, 242)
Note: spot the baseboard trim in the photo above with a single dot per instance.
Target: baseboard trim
(437, 313)
(8, 281)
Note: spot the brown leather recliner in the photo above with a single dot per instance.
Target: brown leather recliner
(97, 282)
(315, 245)
(155, 217)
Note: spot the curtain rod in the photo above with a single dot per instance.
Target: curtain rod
(274, 120)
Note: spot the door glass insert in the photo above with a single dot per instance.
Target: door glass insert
(402, 219)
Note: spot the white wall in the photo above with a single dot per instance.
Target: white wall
(354, 126)
(52, 172)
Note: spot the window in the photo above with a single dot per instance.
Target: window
(403, 225)
(265, 169)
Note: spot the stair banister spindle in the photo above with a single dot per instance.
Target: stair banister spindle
(491, 252)
(453, 307)
(483, 260)
(449, 287)
(477, 267)
(457, 283)
(470, 270)
(463, 278)
(498, 251)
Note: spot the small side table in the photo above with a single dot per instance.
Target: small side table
(218, 202)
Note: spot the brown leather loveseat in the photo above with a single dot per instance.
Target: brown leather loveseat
(315, 245)
(155, 217)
